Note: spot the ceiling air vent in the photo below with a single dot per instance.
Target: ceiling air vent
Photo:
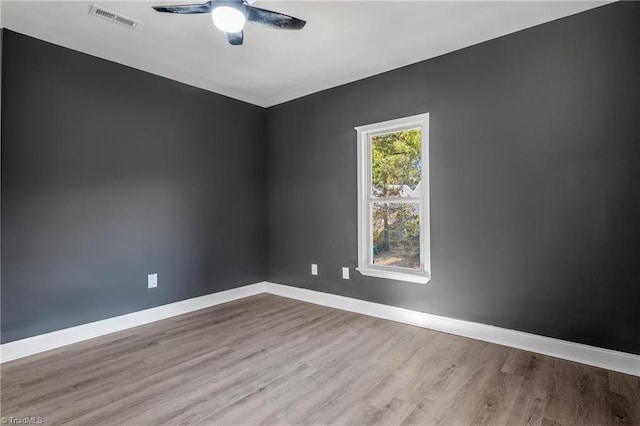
(113, 17)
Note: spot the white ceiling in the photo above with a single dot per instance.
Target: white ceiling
(342, 42)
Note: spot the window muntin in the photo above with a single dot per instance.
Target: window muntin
(393, 199)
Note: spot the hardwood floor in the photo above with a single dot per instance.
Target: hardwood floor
(271, 360)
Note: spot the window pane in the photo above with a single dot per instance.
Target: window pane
(396, 164)
(396, 234)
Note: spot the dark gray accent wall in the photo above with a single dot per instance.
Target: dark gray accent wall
(108, 174)
(535, 181)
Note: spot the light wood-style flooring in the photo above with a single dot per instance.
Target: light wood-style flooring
(272, 360)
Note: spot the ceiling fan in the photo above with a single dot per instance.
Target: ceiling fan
(231, 15)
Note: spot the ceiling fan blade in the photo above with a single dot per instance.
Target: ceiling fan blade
(235, 39)
(186, 8)
(269, 19)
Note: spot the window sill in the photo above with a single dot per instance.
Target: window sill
(419, 278)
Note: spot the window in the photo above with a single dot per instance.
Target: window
(393, 199)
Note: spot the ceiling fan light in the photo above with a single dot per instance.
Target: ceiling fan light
(228, 19)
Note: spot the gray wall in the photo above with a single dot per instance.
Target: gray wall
(109, 173)
(535, 177)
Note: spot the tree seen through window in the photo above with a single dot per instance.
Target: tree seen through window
(396, 173)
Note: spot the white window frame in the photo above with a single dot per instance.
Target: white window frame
(365, 201)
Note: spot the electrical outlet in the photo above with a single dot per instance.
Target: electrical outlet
(152, 280)
(345, 273)
(314, 269)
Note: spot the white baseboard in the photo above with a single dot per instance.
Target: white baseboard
(44, 342)
(585, 354)
(591, 355)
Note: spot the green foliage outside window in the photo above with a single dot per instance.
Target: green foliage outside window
(396, 161)
(396, 172)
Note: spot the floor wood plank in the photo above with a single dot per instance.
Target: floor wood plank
(273, 361)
